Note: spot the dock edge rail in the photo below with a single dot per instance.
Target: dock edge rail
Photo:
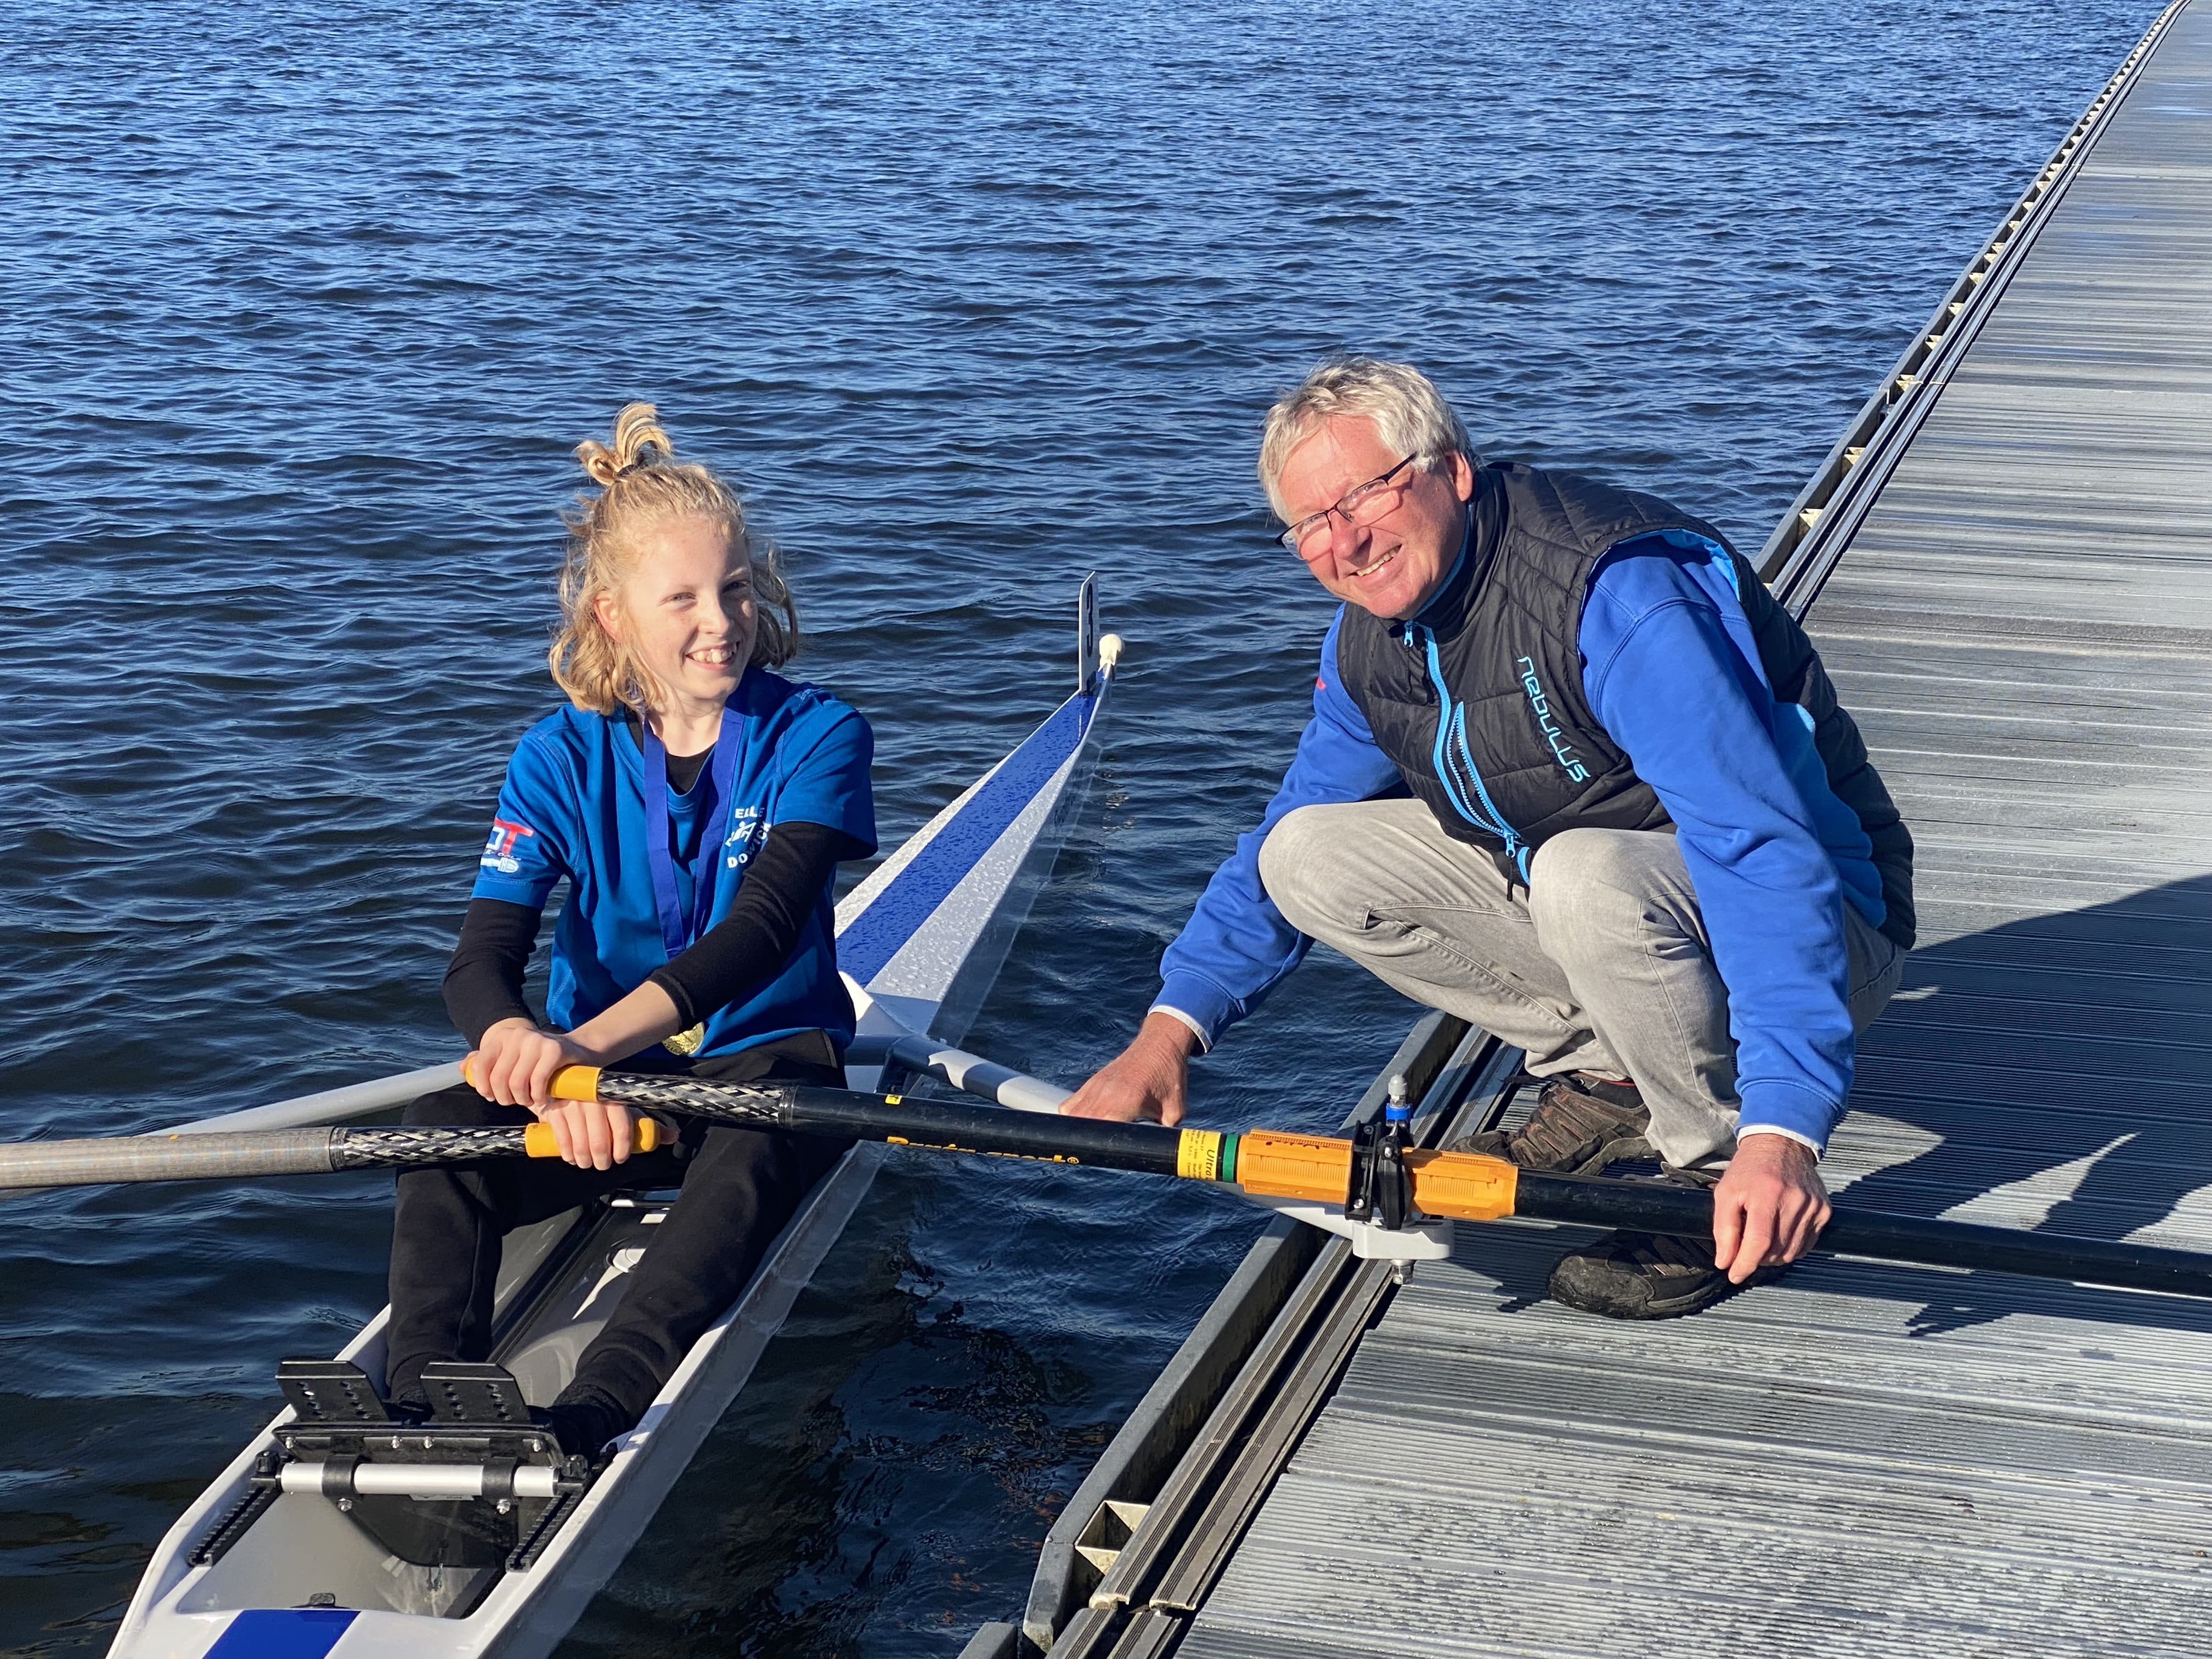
(1143, 1538)
(1822, 522)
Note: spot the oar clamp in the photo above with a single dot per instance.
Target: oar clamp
(1381, 1191)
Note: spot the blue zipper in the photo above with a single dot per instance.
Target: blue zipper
(1451, 723)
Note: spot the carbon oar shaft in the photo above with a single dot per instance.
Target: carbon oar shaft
(1688, 1213)
(946, 1126)
(275, 1152)
(1463, 1186)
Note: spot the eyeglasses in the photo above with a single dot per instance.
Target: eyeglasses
(1359, 505)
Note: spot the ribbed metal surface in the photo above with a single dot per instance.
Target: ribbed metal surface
(1861, 1460)
(1865, 1460)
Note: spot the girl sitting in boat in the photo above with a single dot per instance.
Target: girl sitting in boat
(698, 805)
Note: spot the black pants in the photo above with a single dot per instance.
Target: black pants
(740, 1187)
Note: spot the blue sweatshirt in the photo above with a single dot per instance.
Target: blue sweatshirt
(1670, 670)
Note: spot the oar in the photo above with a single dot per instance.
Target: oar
(282, 1151)
(1460, 1186)
(1463, 1186)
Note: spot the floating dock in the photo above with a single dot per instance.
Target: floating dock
(2007, 563)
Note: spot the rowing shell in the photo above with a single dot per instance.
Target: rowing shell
(919, 942)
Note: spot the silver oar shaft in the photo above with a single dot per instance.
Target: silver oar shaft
(166, 1157)
(271, 1152)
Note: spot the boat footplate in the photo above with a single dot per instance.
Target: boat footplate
(435, 1494)
(477, 1485)
(330, 1391)
(461, 1392)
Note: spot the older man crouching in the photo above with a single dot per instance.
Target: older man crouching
(1574, 776)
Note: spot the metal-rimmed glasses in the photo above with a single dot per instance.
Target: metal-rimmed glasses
(1363, 504)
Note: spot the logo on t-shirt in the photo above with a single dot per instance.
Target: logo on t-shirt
(740, 846)
(498, 846)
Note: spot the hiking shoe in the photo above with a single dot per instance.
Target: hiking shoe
(1631, 1275)
(1574, 1130)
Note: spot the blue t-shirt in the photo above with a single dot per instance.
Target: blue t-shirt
(573, 806)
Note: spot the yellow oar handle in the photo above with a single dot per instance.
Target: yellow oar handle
(574, 1082)
(569, 1083)
(577, 1083)
(537, 1140)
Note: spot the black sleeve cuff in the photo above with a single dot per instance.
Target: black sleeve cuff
(483, 981)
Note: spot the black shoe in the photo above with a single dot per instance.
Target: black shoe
(1573, 1131)
(584, 1418)
(1631, 1275)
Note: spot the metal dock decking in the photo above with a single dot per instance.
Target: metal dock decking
(2011, 553)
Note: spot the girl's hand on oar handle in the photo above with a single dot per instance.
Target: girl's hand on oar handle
(514, 1066)
(594, 1136)
(649, 1134)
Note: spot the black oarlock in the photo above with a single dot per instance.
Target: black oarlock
(1380, 1191)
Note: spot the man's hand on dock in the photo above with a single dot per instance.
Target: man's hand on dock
(1769, 1208)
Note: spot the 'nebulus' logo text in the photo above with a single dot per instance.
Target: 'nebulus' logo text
(1540, 706)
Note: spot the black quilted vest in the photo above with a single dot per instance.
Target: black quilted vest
(1522, 756)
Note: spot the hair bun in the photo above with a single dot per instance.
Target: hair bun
(638, 441)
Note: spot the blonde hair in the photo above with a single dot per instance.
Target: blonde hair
(1410, 414)
(641, 486)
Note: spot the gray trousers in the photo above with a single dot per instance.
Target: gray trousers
(1600, 964)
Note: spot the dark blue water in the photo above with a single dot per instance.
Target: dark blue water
(302, 310)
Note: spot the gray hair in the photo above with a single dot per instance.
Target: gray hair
(1410, 414)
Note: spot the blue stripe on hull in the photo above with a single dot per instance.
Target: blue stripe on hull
(877, 933)
(282, 1633)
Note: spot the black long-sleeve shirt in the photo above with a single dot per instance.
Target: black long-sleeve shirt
(733, 958)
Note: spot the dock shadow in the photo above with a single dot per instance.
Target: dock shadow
(2142, 1149)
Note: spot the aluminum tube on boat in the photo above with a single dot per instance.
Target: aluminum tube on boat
(167, 1157)
(348, 1479)
(331, 1106)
